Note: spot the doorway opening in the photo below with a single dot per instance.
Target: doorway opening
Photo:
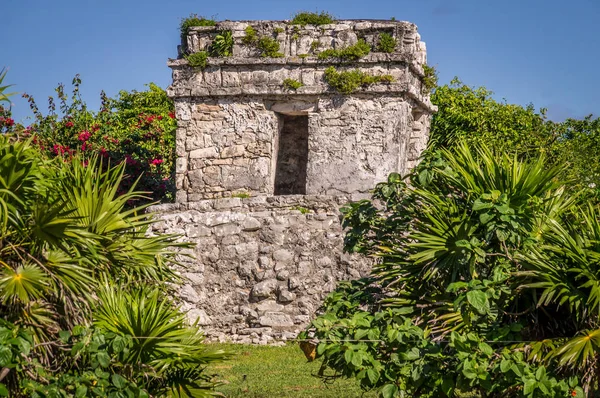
(292, 155)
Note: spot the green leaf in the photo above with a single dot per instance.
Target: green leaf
(540, 374)
(389, 391)
(479, 301)
(486, 349)
(412, 354)
(5, 356)
(529, 386)
(64, 336)
(103, 359)
(479, 205)
(3, 390)
(502, 235)
(469, 371)
(118, 381)
(505, 365)
(448, 386)
(24, 346)
(373, 375)
(484, 218)
(81, 391)
(348, 354)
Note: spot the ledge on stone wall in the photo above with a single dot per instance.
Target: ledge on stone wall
(260, 203)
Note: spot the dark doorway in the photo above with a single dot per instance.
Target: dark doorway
(292, 155)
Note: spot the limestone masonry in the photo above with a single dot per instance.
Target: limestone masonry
(262, 170)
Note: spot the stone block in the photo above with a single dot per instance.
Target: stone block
(285, 296)
(204, 153)
(276, 320)
(264, 289)
(251, 224)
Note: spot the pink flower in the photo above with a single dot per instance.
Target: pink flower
(84, 136)
(171, 115)
(129, 160)
(156, 162)
(159, 117)
(103, 152)
(69, 124)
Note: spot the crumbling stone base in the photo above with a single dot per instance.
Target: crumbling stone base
(261, 266)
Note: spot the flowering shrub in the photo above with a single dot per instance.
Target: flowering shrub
(137, 128)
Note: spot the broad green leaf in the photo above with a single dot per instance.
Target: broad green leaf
(479, 301)
(5, 356)
(389, 391)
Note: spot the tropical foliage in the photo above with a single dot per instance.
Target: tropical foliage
(85, 292)
(485, 282)
(472, 115)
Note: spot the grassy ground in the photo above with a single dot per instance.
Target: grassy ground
(274, 372)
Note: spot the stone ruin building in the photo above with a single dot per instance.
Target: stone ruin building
(262, 169)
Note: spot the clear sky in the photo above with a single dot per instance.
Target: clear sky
(526, 51)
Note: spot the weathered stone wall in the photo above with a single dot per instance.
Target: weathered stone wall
(229, 145)
(261, 266)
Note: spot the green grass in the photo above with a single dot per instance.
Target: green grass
(282, 372)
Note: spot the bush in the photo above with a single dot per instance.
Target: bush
(137, 128)
(466, 296)
(312, 18)
(194, 20)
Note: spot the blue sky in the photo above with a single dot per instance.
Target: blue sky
(526, 51)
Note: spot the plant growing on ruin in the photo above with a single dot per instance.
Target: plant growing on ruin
(278, 30)
(194, 20)
(312, 18)
(387, 43)
(250, 36)
(268, 47)
(197, 60)
(347, 82)
(430, 80)
(222, 45)
(292, 84)
(314, 45)
(302, 210)
(351, 53)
